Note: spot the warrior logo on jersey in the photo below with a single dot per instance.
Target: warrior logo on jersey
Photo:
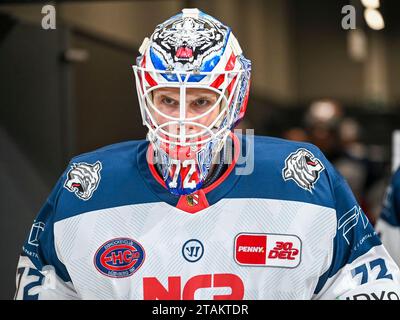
(83, 179)
(187, 42)
(193, 250)
(119, 258)
(302, 167)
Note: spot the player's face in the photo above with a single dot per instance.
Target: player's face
(198, 102)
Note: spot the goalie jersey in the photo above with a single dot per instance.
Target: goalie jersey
(280, 225)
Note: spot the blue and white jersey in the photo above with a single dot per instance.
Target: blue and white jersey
(388, 224)
(290, 228)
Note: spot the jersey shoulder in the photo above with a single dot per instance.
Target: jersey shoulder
(104, 178)
(271, 153)
(287, 170)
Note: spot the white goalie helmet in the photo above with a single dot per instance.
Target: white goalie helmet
(189, 51)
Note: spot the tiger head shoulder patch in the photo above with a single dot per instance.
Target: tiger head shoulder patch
(303, 168)
(83, 179)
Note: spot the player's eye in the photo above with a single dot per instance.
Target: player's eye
(202, 102)
(169, 101)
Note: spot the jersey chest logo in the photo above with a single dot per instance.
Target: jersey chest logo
(267, 250)
(193, 250)
(119, 258)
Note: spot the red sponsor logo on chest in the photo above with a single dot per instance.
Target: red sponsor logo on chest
(251, 249)
(273, 250)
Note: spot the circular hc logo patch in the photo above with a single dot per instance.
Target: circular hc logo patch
(119, 258)
(192, 250)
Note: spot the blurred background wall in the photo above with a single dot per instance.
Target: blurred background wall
(71, 90)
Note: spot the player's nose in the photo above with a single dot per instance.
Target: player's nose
(190, 126)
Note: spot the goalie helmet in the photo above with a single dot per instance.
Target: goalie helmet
(191, 50)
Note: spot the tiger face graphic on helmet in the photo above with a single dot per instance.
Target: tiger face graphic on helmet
(185, 43)
(302, 167)
(83, 179)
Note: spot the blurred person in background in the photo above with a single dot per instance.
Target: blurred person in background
(296, 134)
(322, 121)
(340, 137)
(363, 166)
(388, 224)
(351, 161)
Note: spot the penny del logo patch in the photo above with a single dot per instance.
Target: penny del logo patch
(267, 250)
